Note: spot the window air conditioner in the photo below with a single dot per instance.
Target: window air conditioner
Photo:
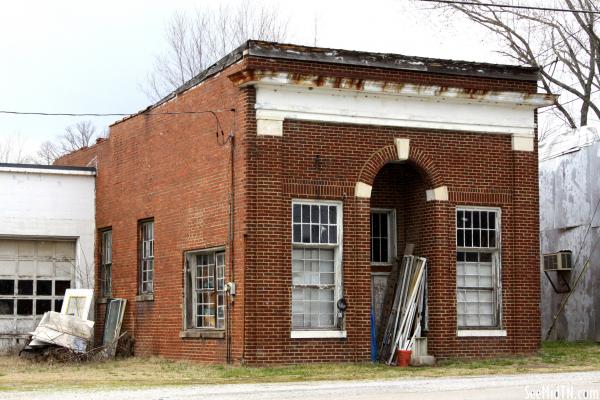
(560, 261)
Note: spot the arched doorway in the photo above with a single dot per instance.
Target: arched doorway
(400, 215)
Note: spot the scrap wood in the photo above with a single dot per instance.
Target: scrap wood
(405, 319)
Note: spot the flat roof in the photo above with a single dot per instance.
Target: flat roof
(47, 169)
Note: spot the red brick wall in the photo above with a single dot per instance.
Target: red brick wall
(479, 169)
(172, 169)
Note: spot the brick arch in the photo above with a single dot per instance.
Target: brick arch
(388, 154)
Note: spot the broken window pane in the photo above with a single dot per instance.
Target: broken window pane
(42, 306)
(25, 287)
(60, 287)
(7, 287)
(43, 288)
(6, 307)
(24, 307)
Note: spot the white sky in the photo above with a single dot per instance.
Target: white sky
(84, 56)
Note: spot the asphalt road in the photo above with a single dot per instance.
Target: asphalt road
(578, 385)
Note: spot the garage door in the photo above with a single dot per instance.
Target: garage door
(34, 275)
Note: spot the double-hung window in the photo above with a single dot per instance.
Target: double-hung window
(316, 258)
(382, 236)
(478, 281)
(106, 264)
(147, 257)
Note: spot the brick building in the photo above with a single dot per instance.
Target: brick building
(236, 212)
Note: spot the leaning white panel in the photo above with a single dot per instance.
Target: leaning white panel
(77, 302)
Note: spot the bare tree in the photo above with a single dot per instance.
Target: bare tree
(75, 137)
(565, 45)
(48, 152)
(196, 41)
(12, 150)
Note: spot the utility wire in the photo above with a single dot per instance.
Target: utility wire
(48, 114)
(473, 3)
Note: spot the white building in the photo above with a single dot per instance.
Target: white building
(47, 226)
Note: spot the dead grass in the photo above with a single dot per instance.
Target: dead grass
(17, 374)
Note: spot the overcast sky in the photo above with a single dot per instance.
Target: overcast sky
(84, 56)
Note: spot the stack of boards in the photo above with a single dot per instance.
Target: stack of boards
(407, 313)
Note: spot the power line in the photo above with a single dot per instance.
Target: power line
(567, 102)
(473, 3)
(49, 114)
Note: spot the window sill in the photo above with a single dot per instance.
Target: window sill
(333, 334)
(145, 297)
(481, 333)
(202, 334)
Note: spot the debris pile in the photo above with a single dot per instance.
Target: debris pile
(406, 292)
(68, 335)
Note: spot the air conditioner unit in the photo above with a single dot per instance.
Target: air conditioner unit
(560, 261)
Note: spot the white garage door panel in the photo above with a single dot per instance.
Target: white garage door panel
(34, 275)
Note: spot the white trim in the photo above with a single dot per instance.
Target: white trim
(47, 171)
(534, 100)
(314, 334)
(403, 147)
(269, 126)
(88, 294)
(424, 108)
(437, 194)
(522, 143)
(481, 333)
(363, 190)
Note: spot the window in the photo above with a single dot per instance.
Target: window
(106, 264)
(147, 257)
(205, 290)
(316, 254)
(478, 267)
(382, 236)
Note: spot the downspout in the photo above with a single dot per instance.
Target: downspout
(231, 234)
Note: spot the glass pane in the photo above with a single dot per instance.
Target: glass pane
(314, 214)
(460, 238)
(324, 214)
(492, 220)
(44, 288)
(296, 213)
(297, 234)
(305, 233)
(468, 238)
(324, 234)
(476, 219)
(25, 287)
(375, 228)
(24, 307)
(384, 250)
(484, 219)
(484, 239)
(332, 215)
(314, 234)
(42, 306)
(467, 219)
(492, 239)
(332, 234)
(7, 287)
(376, 250)
(459, 219)
(6, 307)
(383, 221)
(305, 213)
(476, 238)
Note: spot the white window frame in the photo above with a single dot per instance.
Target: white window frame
(391, 221)
(328, 332)
(106, 262)
(479, 330)
(146, 256)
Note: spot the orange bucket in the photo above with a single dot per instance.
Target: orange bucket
(403, 357)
